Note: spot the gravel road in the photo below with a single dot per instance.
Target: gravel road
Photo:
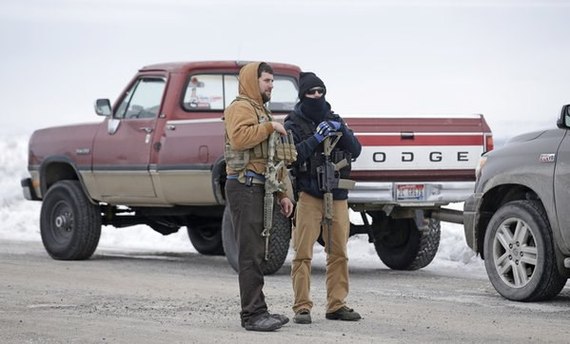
(160, 297)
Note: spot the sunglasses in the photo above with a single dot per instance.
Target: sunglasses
(315, 90)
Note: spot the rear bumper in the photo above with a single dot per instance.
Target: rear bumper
(435, 193)
(28, 189)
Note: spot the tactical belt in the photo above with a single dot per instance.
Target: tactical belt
(251, 178)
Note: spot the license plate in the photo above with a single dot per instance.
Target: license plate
(406, 192)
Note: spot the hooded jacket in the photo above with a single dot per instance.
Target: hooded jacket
(247, 121)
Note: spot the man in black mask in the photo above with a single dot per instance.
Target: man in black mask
(311, 122)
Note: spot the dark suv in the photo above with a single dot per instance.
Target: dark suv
(517, 218)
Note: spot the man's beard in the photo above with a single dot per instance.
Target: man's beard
(265, 98)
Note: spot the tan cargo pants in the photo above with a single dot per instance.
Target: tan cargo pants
(308, 217)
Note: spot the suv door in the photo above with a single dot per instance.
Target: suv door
(561, 192)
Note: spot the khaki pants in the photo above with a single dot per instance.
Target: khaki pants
(309, 214)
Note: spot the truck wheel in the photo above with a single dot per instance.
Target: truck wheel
(519, 255)
(207, 238)
(402, 246)
(278, 241)
(70, 224)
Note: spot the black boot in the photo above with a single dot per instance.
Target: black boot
(264, 322)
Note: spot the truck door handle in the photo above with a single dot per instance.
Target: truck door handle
(147, 130)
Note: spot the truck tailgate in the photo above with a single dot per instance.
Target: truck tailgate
(415, 160)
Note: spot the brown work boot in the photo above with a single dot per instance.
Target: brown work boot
(303, 316)
(343, 313)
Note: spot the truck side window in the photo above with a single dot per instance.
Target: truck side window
(143, 100)
(217, 91)
(284, 94)
(204, 92)
(231, 88)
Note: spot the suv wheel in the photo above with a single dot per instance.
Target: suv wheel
(519, 253)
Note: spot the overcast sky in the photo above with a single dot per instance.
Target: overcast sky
(506, 59)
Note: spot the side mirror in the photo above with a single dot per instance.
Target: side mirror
(564, 119)
(103, 107)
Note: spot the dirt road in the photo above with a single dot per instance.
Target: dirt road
(142, 297)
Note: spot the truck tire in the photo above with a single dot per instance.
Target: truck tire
(519, 253)
(402, 246)
(278, 241)
(70, 224)
(207, 238)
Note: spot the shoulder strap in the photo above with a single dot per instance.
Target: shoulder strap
(306, 127)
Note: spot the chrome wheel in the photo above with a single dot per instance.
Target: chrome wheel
(515, 252)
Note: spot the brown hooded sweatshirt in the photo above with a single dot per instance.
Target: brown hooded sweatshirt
(241, 118)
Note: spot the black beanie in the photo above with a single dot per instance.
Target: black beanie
(308, 80)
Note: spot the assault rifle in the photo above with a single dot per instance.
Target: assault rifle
(328, 178)
(281, 152)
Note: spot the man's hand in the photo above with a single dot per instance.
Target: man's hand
(278, 127)
(335, 125)
(325, 129)
(286, 206)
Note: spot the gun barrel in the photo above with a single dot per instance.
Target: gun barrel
(268, 212)
(328, 199)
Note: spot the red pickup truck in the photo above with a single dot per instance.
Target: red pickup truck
(156, 158)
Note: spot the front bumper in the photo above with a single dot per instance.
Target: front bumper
(28, 189)
(471, 215)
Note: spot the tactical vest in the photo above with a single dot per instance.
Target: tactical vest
(237, 160)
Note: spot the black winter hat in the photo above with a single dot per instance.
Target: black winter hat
(308, 80)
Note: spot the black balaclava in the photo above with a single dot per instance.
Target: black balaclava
(315, 109)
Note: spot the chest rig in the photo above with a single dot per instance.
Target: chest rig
(238, 160)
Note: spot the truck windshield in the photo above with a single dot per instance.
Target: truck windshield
(216, 91)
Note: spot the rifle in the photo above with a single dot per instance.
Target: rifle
(281, 152)
(328, 178)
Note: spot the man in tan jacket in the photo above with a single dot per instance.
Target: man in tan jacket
(248, 126)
